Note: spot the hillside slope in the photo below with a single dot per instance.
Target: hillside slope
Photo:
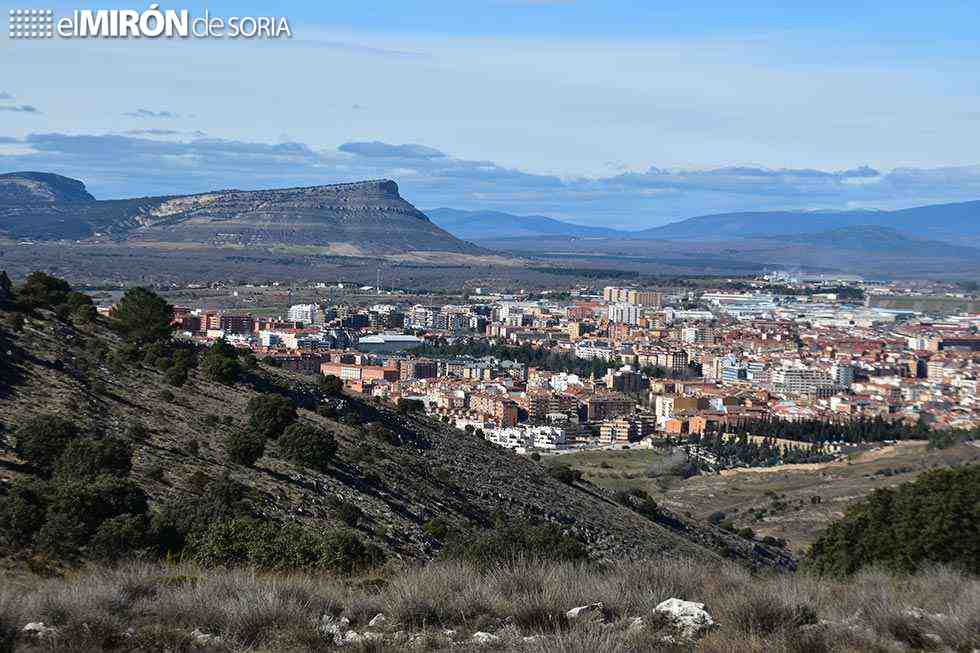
(431, 471)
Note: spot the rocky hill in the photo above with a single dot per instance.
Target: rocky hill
(401, 471)
(362, 218)
(40, 188)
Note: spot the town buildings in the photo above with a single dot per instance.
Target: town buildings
(611, 366)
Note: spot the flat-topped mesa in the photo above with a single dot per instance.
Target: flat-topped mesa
(357, 218)
(354, 204)
(379, 195)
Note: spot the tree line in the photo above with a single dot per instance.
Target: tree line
(740, 450)
(855, 431)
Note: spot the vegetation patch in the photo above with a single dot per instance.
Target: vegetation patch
(934, 519)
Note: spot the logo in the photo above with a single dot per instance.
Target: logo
(31, 24)
(152, 23)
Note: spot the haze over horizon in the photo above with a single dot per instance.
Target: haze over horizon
(629, 117)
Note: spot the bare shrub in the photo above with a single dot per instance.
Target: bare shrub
(441, 593)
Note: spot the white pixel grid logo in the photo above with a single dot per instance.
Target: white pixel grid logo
(31, 24)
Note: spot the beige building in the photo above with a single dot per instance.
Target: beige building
(647, 298)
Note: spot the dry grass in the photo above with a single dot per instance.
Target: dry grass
(153, 607)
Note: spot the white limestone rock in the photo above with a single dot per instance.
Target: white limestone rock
(688, 617)
(585, 612)
(481, 638)
(38, 629)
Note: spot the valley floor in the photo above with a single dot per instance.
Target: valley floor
(773, 501)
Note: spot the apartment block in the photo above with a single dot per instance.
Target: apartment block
(501, 409)
(601, 407)
(627, 428)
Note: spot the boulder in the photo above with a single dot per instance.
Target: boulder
(688, 617)
(333, 627)
(934, 638)
(481, 638)
(202, 637)
(585, 612)
(352, 637)
(38, 629)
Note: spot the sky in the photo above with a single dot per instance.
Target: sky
(612, 113)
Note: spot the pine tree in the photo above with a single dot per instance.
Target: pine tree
(143, 316)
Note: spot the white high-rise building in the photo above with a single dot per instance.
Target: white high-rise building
(305, 313)
(801, 380)
(624, 313)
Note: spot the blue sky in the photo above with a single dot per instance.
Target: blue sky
(627, 114)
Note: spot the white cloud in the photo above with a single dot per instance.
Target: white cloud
(147, 113)
(23, 108)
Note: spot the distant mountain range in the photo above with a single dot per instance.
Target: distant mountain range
(939, 222)
(357, 219)
(477, 225)
(370, 219)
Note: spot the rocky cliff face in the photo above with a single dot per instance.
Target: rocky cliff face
(361, 218)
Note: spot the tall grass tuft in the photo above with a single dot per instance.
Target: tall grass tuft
(153, 606)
